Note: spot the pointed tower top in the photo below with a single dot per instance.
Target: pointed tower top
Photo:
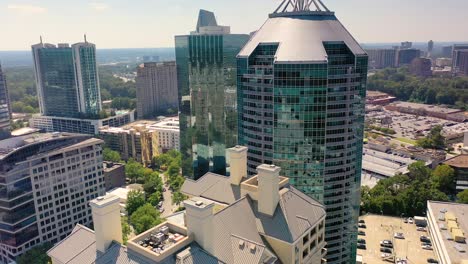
(40, 37)
(85, 40)
(301, 6)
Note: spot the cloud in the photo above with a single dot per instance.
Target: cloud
(99, 6)
(27, 9)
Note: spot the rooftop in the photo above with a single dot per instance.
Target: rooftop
(169, 123)
(431, 108)
(460, 161)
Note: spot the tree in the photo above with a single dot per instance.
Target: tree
(463, 197)
(434, 139)
(155, 198)
(126, 229)
(153, 183)
(419, 171)
(111, 155)
(135, 200)
(145, 218)
(443, 179)
(36, 255)
(133, 170)
(178, 197)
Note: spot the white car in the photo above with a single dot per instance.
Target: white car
(426, 247)
(386, 255)
(421, 229)
(399, 235)
(410, 221)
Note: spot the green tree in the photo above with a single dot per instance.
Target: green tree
(153, 183)
(111, 155)
(134, 170)
(155, 198)
(36, 255)
(135, 200)
(463, 197)
(419, 171)
(443, 179)
(434, 139)
(126, 229)
(145, 218)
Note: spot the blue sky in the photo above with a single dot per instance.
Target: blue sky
(153, 23)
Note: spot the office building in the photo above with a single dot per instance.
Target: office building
(447, 226)
(460, 165)
(114, 175)
(406, 45)
(462, 57)
(447, 51)
(67, 80)
(206, 72)
(456, 56)
(301, 94)
(382, 58)
(406, 56)
(47, 183)
(443, 62)
(240, 224)
(80, 125)
(430, 47)
(421, 67)
(5, 108)
(143, 140)
(156, 89)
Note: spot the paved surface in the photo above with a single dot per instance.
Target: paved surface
(382, 228)
(167, 203)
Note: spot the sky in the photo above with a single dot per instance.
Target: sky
(153, 23)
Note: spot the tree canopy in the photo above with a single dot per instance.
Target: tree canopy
(145, 218)
(434, 139)
(135, 199)
(111, 155)
(36, 255)
(463, 197)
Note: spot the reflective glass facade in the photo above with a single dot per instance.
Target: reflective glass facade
(206, 66)
(308, 118)
(87, 79)
(5, 110)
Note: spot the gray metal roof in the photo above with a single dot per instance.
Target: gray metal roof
(214, 187)
(301, 36)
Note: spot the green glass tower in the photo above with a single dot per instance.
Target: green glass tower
(301, 94)
(67, 80)
(206, 73)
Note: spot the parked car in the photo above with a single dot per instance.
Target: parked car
(385, 250)
(426, 244)
(361, 246)
(361, 241)
(427, 247)
(361, 233)
(410, 220)
(424, 239)
(362, 221)
(386, 255)
(421, 229)
(386, 245)
(160, 204)
(431, 260)
(161, 210)
(405, 220)
(388, 242)
(362, 226)
(399, 235)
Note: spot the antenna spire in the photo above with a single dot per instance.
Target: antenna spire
(40, 38)
(85, 40)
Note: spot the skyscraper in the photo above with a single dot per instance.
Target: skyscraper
(206, 73)
(406, 56)
(67, 79)
(5, 110)
(382, 58)
(456, 56)
(47, 183)
(430, 46)
(301, 94)
(156, 89)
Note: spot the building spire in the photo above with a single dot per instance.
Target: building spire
(85, 40)
(40, 38)
(301, 6)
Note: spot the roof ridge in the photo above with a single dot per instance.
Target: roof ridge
(229, 206)
(79, 253)
(316, 204)
(77, 228)
(248, 240)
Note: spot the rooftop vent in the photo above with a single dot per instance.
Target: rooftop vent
(252, 248)
(199, 203)
(100, 198)
(241, 244)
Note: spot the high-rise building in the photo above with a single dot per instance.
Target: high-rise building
(406, 56)
(301, 94)
(67, 79)
(406, 45)
(382, 58)
(156, 89)
(421, 67)
(47, 181)
(5, 109)
(447, 51)
(462, 57)
(206, 73)
(430, 46)
(456, 56)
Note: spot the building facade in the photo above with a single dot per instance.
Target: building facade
(206, 72)
(457, 51)
(460, 165)
(114, 175)
(462, 57)
(67, 75)
(382, 58)
(5, 108)
(46, 183)
(156, 89)
(406, 56)
(421, 67)
(301, 95)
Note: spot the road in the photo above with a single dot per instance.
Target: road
(167, 203)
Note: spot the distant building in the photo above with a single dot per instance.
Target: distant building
(443, 62)
(378, 98)
(421, 67)
(460, 165)
(5, 108)
(406, 56)
(382, 58)
(406, 45)
(447, 51)
(424, 110)
(240, 224)
(114, 175)
(207, 76)
(48, 181)
(156, 89)
(151, 59)
(456, 56)
(77, 125)
(430, 47)
(142, 140)
(67, 80)
(462, 57)
(447, 226)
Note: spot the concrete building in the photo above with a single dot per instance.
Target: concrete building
(447, 225)
(460, 165)
(79, 125)
(114, 175)
(67, 80)
(143, 140)
(5, 108)
(443, 62)
(462, 57)
(421, 67)
(447, 51)
(156, 89)
(456, 56)
(382, 58)
(47, 182)
(301, 94)
(406, 56)
(378, 98)
(430, 47)
(207, 74)
(406, 45)
(261, 220)
(424, 110)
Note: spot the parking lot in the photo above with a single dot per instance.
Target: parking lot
(383, 228)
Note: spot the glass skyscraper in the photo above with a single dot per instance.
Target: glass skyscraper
(5, 110)
(301, 94)
(67, 80)
(206, 73)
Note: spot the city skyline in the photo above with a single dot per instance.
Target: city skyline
(99, 19)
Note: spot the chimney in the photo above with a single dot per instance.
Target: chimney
(238, 164)
(268, 188)
(199, 221)
(106, 219)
